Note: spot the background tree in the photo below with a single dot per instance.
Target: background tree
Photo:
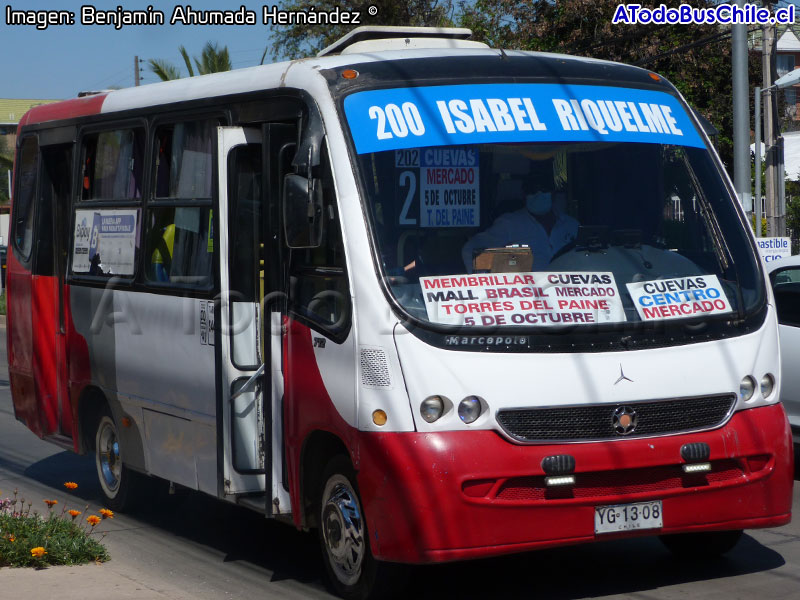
(696, 58)
(297, 41)
(213, 59)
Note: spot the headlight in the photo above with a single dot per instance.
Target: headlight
(431, 408)
(746, 388)
(469, 409)
(767, 385)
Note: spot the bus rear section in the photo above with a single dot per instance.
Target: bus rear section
(438, 304)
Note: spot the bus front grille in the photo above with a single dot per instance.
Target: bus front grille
(616, 421)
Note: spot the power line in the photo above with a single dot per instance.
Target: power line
(701, 42)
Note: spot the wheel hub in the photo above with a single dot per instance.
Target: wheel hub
(342, 528)
(108, 454)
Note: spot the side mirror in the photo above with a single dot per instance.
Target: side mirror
(302, 211)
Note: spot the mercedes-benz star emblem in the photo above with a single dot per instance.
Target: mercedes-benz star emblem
(622, 376)
(624, 420)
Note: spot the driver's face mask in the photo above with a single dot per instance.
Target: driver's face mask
(539, 203)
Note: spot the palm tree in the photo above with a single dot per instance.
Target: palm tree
(213, 59)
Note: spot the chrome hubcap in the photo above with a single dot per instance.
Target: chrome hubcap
(108, 462)
(343, 530)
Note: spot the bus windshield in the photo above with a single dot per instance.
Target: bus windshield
(524, 205)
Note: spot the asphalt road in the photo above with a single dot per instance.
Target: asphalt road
(196, 547)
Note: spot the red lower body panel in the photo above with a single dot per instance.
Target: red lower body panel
(458, 495)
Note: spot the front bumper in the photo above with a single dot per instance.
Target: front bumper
(432, 497)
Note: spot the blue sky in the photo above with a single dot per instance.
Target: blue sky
(63, 60)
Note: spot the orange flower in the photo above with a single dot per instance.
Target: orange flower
(92, 520)
(70, 485)
(74, 513)
(51, 503)
(107, 514)
(11, 538)
(38, 552)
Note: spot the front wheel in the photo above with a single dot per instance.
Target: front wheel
(352, 570)
(117, 482)
(704, 544)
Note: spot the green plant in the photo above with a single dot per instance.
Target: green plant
(3, 303)
(31, 539)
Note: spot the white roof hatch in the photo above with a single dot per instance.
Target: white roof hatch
(379, 38)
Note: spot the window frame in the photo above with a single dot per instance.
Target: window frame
(150, 201)
(78, 203)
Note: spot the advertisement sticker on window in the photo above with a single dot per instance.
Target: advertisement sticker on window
(519, 299)
(679, 298)
(105, 242)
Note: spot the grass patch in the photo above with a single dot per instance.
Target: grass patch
(3, 303)
(54, 537)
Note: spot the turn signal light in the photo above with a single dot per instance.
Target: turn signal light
(379, 418)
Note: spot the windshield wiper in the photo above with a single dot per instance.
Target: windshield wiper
(723, 253)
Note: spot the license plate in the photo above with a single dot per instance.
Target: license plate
(628, 517)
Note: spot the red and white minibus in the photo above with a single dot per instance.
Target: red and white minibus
(436, 300)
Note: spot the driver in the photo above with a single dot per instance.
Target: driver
(538, 225)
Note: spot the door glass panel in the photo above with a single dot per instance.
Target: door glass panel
(247, 255)
(24, 193)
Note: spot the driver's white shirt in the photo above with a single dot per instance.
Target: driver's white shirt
(521, 227)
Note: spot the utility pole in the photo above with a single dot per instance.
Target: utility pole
(741, 115)
(136, 70)
(771, 175)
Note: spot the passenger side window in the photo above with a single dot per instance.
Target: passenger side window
(184, 160)
(786, 285)
(113, 164)
(180, 246)
(318, 287)
(24, 193)
(105, 237)
(179, 243)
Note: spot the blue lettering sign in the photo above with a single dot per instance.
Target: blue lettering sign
(419, 117)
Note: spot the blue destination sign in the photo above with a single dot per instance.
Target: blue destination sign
(416, 117)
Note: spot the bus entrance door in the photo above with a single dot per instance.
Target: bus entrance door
(251, 309)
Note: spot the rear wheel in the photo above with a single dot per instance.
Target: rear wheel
(704, 544)
(352, 570)
(117, 482)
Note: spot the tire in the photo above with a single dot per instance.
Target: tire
(122, 488)
(353, 573)
(705, 544)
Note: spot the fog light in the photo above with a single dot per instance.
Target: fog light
(379, 418)
(432, 408)
(469, 409)
(559, 480)
(767, 385)
(697, 468)
(747, 388)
